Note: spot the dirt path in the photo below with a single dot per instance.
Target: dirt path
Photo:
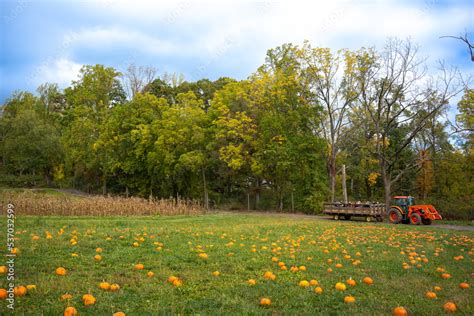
(328, 218)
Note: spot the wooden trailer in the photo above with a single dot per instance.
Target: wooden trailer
(370, 211)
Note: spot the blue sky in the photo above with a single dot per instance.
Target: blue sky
(48, 41)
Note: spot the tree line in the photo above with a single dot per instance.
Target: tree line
(276, 140)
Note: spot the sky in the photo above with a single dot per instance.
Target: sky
(49, 41)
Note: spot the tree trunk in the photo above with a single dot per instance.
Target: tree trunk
(387, 183)
(248, 202)
(104, 184)
(344, 188)
(332, 174)
(206, 196)
(257, 194)
(292, 202)
(47, 178)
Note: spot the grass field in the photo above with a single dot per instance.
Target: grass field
(239, 248)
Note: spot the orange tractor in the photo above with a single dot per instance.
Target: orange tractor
(405, 211)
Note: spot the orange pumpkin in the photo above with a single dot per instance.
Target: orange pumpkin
(368, 281)
(450, 307)
(265, 301)
(318, 290)
(70, 311)
(3, 294)
(88, 299)
(464, 285)
(304, 283)
(252, 282)
(349, 299)
(430, 295)
(3, 269)
(65, 297)
(340, 286)
(104, 285)
(445, 276)
(139, 266)
(97, 257)
(61, 271)
(313, 282)
(400, 311)
(119, 314)
(351, 282)
(20, 291)
(216, 273)
(114, 287)
(150, 274)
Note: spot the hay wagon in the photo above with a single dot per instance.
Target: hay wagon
(370, 211)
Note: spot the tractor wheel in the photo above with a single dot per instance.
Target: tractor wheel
(336, 217)
(415, 219)
(426, 221)
(368, 219)
(394, 216)
(347, 217)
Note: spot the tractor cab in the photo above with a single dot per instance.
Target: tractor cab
(404, 202)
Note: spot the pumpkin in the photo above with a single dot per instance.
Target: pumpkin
(313, 282)
(150, 274)
(351, 282)
(368, 281)
(349, 299)
(464, 285)
(97, 257)
(104, 285)
(65, 297)
(3, 269)
(445, 276)
(177, 282)
(318, 290)
(31, 287)
(172, 278)
(252, 282)
(437, 288)
(61, 271)
(216, 273)
(340, 286)
(70, 311)
(450, 307)
(119, 314)
(338, 265)
(269, 275)
(98, 250)
(304, 283)
(400, 311)
(3, 294)
(302, 268)
(265, 301)
(139, 266)
(20, 291)
(203, 255)
(114, 287)
(88, 299)
(430, 295)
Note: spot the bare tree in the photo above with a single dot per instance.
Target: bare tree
(135, 79)
(464, 38)
(331, 79)
(396, 93)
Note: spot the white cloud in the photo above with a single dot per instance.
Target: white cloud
(61, 71)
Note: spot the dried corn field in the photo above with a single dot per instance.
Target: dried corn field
(30, 203)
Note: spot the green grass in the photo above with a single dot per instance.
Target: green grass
(379, 246)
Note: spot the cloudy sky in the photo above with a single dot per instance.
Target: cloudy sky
(48, 41)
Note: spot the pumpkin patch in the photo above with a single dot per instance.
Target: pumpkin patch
(248, 265)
